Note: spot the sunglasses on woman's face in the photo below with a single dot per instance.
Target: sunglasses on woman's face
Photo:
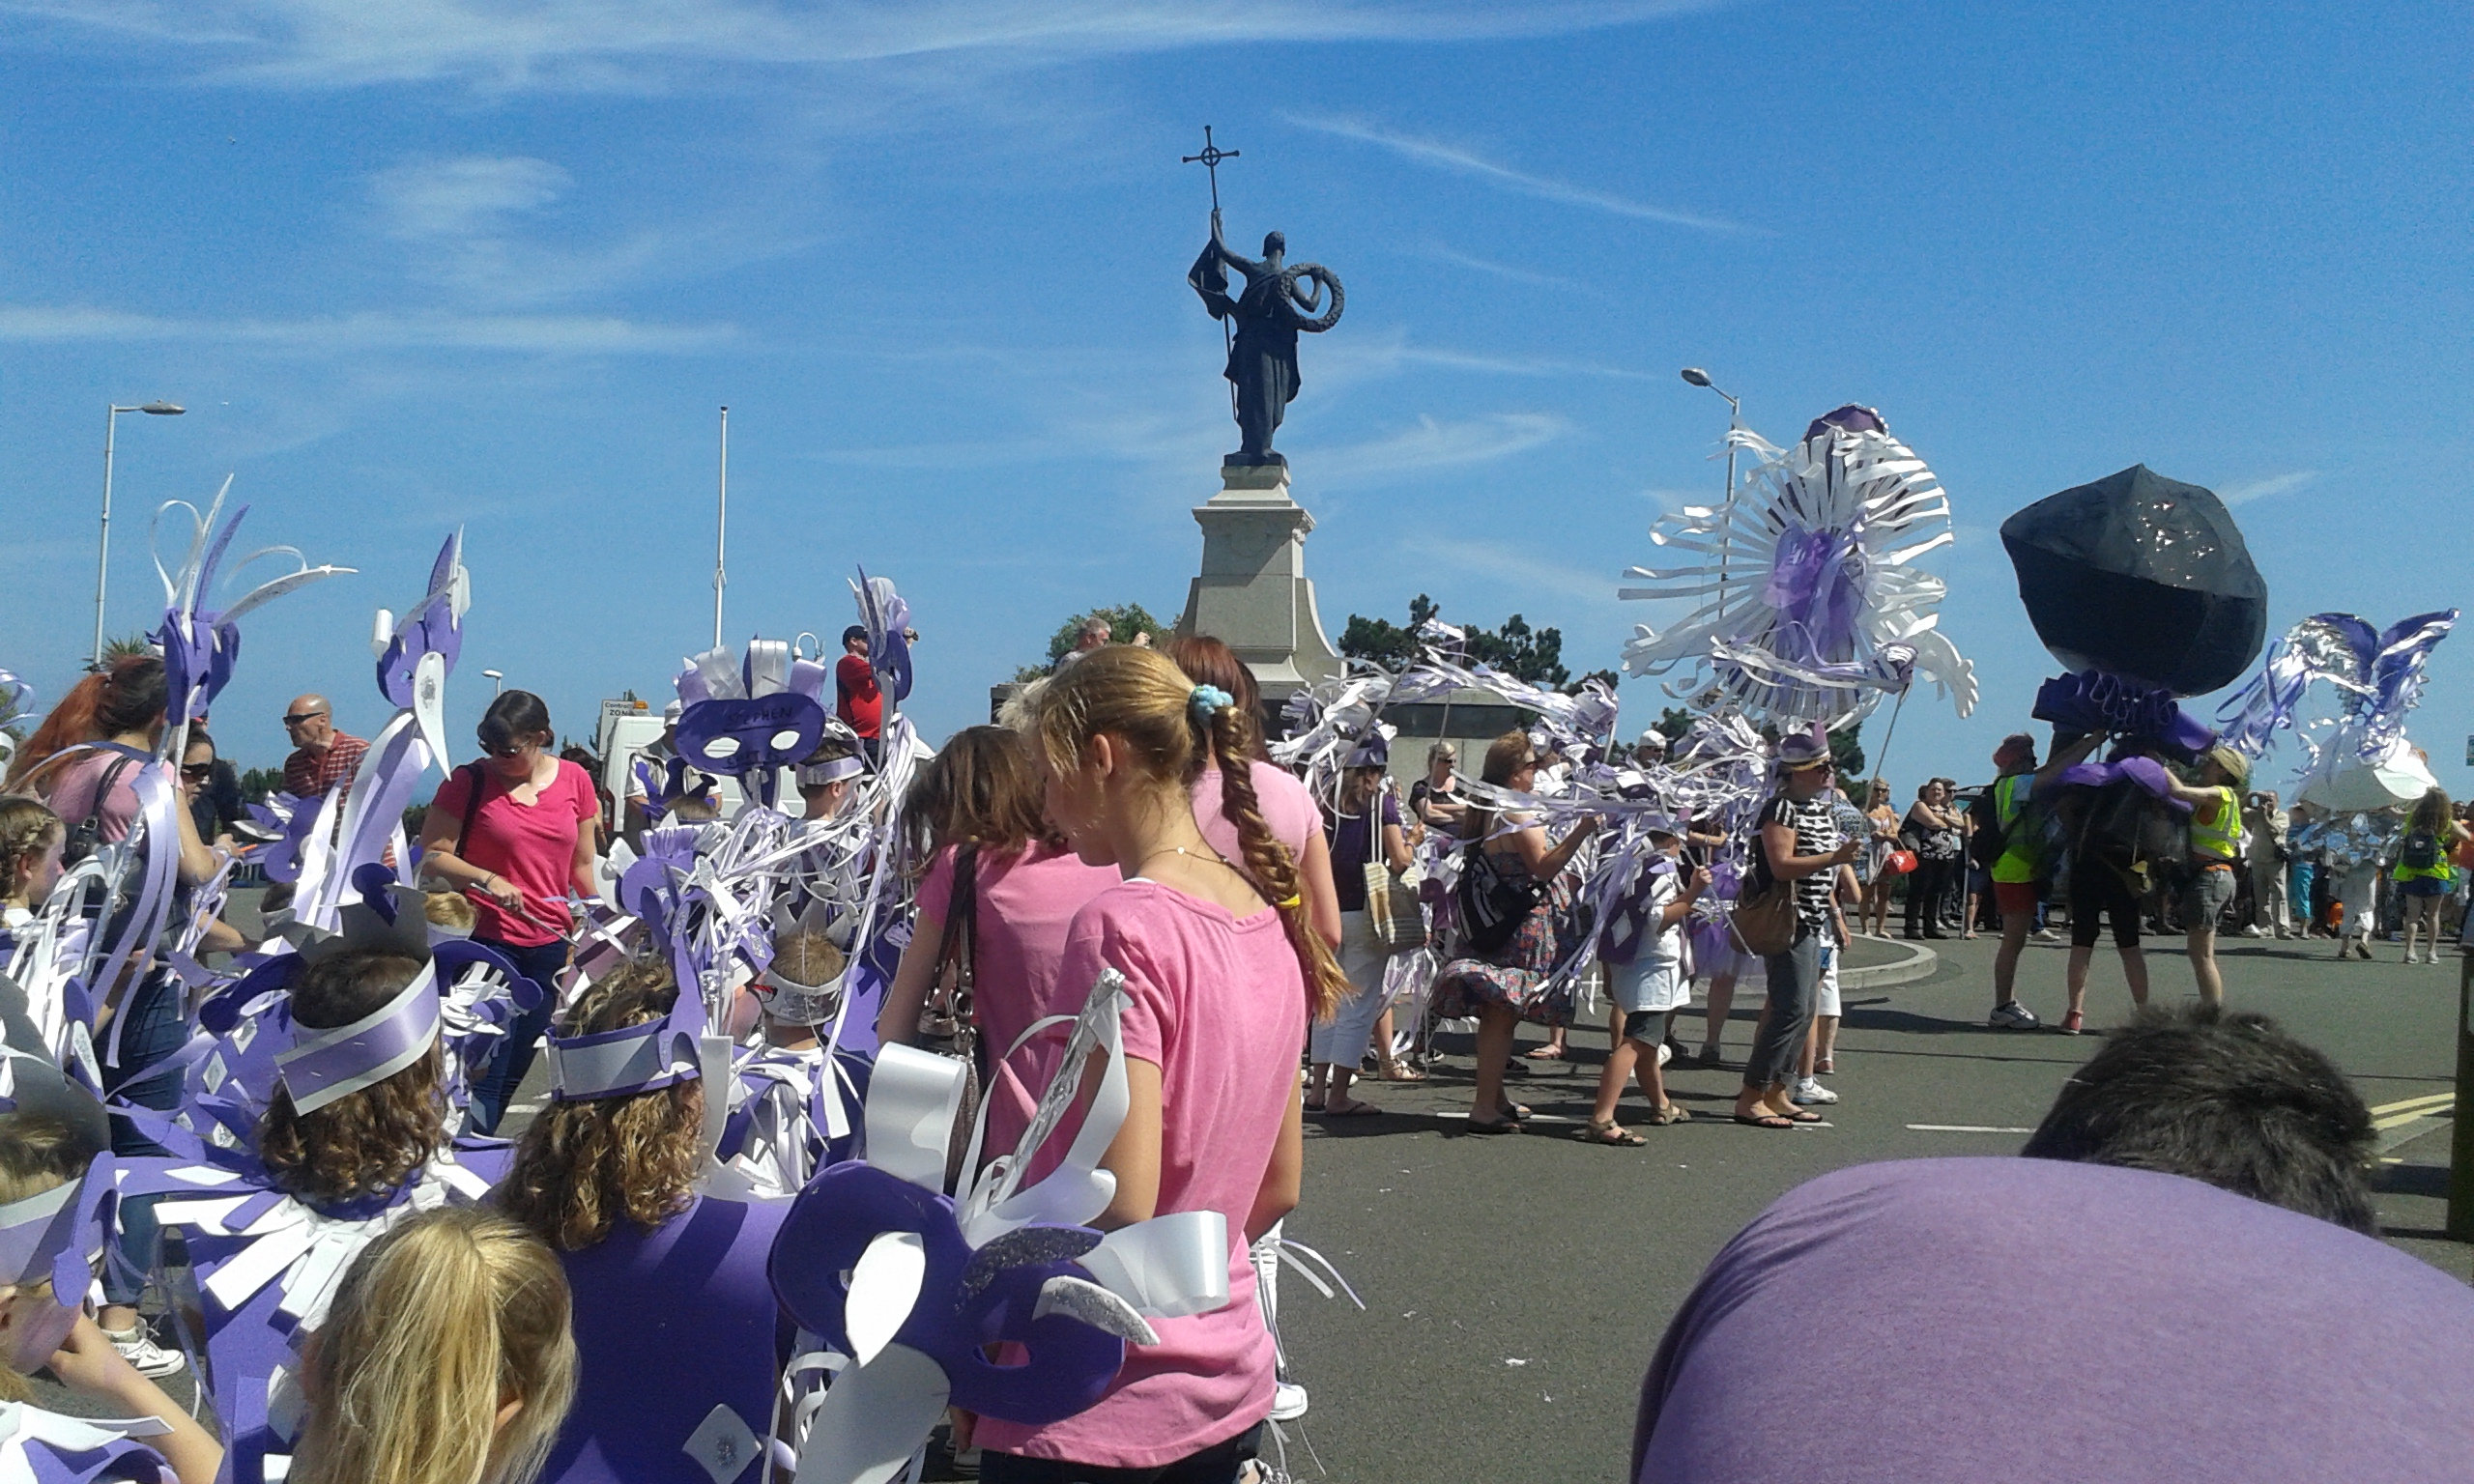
(201, 771)
(504, 748)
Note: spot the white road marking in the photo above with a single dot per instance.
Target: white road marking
(1965, 1128)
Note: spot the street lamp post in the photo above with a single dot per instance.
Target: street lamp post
(103, 546)
(496, 679)
(1734, 419)
(722, 529)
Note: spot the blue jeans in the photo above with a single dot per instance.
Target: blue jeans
(154, 1025)
(496, 1087)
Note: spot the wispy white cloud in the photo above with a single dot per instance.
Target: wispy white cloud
(455, 199)
(1506, 270)
(1468, 163)
(2262, 489)
(1433, 444)
(548, 334)
(1389, 353)
(1521, 569)
(607, 44)
(474, 226)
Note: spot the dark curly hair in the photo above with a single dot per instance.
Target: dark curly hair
(367, 1142)
(582, 1165)
(2225, 1096)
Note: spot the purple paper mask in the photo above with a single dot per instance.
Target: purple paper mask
(739, 736)
(966, 1299)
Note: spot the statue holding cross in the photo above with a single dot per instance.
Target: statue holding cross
(1279, 302)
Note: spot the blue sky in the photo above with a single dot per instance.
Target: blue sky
(430, 263)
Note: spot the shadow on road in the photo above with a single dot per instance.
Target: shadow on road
(2431, 1179)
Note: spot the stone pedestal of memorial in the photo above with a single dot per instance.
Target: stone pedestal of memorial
(1253, 593)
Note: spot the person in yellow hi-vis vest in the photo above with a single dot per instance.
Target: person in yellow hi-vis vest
(2216, 848)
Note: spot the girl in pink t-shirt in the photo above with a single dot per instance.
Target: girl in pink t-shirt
(1222, 972)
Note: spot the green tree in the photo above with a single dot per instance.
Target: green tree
(126, 643)
(1675, 722)
(1384, 643)
(1534, 655)
(1847, 756)
(257, 782)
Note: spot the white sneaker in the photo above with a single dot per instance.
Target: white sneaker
(149, 1360)
(1288, 1402)
(2012, 1016)
(2044, 935)
(1809, 1090)
(2253, 931)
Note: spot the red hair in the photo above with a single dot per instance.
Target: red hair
(69, 722)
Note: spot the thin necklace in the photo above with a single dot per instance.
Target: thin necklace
(1215, 858)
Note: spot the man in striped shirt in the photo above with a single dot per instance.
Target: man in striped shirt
(323, 757)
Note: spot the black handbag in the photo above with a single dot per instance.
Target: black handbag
(947, 1025)
(1493, 904)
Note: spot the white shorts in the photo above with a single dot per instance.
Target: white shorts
(1826, 993)
(1648, 983)
(1342, 1042)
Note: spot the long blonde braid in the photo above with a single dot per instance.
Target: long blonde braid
(1268, 862)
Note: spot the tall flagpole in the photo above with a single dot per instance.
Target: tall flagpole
(722, 530)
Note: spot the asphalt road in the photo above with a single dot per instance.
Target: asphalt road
(1515, 1287)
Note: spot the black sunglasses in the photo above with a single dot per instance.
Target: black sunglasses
(197, 770)
(504, 749)
(295, 718)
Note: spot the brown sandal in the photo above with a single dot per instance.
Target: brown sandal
(1672, 1113)
(1610, 1133)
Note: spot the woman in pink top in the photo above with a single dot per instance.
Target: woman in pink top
(120, 717)
(980, 800)
(1219, 984)
(513, 833)
(1287, 807)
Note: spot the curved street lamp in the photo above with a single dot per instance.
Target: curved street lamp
(103, 545)
(1734, 419)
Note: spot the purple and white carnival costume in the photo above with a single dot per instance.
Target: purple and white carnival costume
(59, 1234)
(679, 1338)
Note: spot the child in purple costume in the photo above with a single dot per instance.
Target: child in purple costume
(678, 1336)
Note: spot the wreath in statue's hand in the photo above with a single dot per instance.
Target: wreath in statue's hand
(1308, 299)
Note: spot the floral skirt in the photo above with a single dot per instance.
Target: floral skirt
(1517, 976)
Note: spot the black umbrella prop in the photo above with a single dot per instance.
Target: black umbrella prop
(2142, 578)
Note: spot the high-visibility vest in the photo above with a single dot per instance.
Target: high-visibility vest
(2221, 841)
(2010, 794)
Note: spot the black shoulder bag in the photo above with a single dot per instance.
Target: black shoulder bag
(947, 1024)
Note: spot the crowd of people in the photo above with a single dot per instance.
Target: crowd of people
(459, 1310)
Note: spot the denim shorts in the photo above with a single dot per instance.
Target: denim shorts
(2211, 889)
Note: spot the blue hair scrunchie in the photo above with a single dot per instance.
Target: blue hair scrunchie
(1207, 698)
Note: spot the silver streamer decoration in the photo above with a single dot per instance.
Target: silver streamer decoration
(1808, 605)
